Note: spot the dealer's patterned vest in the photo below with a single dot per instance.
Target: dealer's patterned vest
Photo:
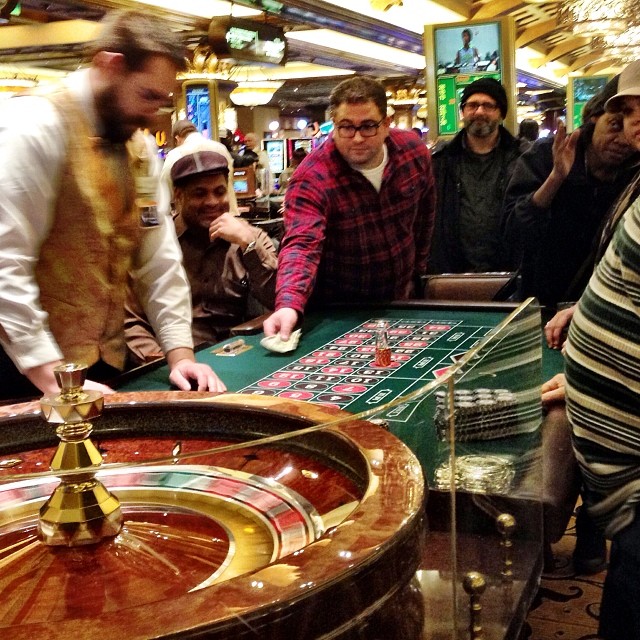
(82, 271)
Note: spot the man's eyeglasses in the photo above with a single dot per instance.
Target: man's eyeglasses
(472, 107)
(366, 129)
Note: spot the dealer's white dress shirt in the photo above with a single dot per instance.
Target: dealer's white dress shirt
(32, 155)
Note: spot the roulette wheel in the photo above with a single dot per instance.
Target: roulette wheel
(242, 517)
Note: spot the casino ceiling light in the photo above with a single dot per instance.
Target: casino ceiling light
(411, 15)
(342, 43)
(203, 9)
(529, 60)
(596, 17)
(16, 83)
(11, 84)
(254, 94)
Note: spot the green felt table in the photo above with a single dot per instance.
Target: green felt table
(316, 370)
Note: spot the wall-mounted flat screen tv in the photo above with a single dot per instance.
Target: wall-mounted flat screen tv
(580, 89)
(457, 55)
(198, 107)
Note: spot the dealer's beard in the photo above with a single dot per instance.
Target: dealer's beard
(114, 127)
(481, 128)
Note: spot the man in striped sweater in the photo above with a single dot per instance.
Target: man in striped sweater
(603, 394)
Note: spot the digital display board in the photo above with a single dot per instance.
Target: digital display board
(580, 90)
(457, 55)
(303, 143)
(463, 54)
(241, 186)
(198, 106)
(246, 41)
(201, 106)
(244, 182)
(277, 155)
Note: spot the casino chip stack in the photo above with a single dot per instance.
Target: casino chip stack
(479, 414)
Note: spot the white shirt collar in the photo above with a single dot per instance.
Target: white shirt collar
(79, 85)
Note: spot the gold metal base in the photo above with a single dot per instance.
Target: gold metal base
(76, 455)
(81, 510)
(79, 513)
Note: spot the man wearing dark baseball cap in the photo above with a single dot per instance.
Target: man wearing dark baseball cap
(198, 163)
(471, 174)
(188, 139)
(230, 264)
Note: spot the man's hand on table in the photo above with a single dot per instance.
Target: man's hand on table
(184, 368)
(553, 391)
(282, 321)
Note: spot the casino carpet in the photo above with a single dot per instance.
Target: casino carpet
(566, 606)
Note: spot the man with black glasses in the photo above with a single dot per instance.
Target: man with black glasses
(358, 212)
(472, 172)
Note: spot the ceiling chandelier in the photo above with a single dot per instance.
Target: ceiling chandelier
(254, 94)
(248, 93)
(625, 45)
(596, 17)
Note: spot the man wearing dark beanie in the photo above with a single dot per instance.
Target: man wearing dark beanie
(472, 172)
(489, 87)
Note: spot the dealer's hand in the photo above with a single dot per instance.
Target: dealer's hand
(184, 368)
(282, 321)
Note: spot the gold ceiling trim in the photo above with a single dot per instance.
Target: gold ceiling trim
(494, 8)
(565, 48)
(536, 32)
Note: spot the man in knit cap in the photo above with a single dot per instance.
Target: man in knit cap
(472, 172)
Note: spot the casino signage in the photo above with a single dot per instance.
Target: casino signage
(247, 42)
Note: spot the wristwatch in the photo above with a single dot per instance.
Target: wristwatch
(250, 247)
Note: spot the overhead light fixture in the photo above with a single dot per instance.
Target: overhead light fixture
(590, 18)
(254, 94)
(404, 14)
(384, 5)
(344, 43)
(209, 9)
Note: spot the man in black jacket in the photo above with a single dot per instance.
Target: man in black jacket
(472, 172)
